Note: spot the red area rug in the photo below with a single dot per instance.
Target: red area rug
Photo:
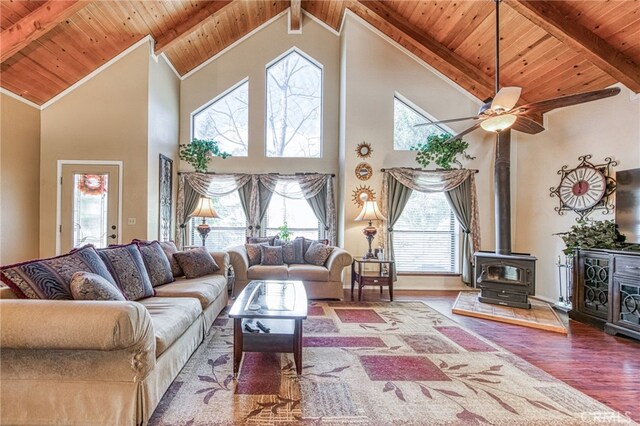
(382, 363)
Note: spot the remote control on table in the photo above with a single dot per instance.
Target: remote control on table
(262, 327)
(251, 329)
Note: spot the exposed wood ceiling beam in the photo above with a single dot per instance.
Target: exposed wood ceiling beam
(35, 25)
(548, 16)
(185, 28)
(295, 24)
(428, 49)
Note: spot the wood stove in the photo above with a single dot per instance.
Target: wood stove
(503, 277)
(506, 280)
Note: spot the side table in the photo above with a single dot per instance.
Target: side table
(382, 276)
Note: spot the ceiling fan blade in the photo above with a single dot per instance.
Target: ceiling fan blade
(464, 132)
(506, 98)
(526, 125)
(451, 120)
(565, 101)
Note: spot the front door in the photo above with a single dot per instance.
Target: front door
(89, 205)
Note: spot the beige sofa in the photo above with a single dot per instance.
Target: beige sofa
(101, 363)
(320, 282)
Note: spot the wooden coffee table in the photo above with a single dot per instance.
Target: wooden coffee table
(280, 306)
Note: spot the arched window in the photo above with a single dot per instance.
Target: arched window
(294, 107)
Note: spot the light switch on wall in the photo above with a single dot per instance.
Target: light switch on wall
(131, 221)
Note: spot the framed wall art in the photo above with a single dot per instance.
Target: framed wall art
(165, 198)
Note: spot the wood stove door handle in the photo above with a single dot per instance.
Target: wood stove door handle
(504, 296)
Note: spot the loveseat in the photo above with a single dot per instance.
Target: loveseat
(77, 362)
(320, 281)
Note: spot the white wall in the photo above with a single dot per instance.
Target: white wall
(19, 180)
(604, 128)
(164, 118)
(373, 70)
(248, 59)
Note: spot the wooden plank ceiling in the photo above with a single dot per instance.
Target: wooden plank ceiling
(549, 48)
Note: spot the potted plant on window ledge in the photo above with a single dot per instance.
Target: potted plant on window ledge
(199, 152)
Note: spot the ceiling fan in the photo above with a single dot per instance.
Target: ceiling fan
(501, 113)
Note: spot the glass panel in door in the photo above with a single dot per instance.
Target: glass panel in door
(89, 206)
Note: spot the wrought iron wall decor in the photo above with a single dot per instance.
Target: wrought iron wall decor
(359, 191)
(165, 198)
(586, 187)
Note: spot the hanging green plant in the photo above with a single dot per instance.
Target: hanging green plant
(441, 152)
(602, 234)
(199, 152)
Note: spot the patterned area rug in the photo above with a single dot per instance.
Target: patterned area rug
(381, 363)
(540, 316)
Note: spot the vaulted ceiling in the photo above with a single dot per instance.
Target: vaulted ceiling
(549, 48)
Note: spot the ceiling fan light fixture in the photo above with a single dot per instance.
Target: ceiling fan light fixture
(498, 123)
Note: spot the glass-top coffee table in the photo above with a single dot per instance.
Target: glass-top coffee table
(268, 318)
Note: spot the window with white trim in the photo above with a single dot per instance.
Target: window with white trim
(226, 121)
(300, 219)
(294, 107)
(405, 132)
(425, 237)
(228, 230)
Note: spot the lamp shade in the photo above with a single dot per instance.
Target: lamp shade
(370, 211)
(498, 123)
(205, 208)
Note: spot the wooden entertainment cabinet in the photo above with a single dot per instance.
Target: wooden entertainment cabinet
(606, 290)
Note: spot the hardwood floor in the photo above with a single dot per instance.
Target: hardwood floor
(604, 367)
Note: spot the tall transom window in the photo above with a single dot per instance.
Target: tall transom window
(294, 107)
(405, 132)
(226, 120)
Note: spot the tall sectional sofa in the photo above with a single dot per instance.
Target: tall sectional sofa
(78, 362)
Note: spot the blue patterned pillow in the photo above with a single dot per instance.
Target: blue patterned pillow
(127, 267)
(90, 286)
(292, 251)
(51, 278)
(157, 263)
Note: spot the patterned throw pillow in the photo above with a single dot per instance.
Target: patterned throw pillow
(90, 286)
(318, 254)
(50, 278)
(254, 253)
(292, 251)
(169, 248)
(196, 262)
(271, 255)
(127, 267)
(258, 240)
(308, 242)
(158, 266)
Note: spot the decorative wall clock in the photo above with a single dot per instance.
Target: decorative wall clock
(364, 150)
(358, 195)
(364, 171)
(586, 187)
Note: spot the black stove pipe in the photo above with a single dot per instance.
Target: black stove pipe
(502, 187)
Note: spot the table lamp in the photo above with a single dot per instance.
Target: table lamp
(369, 212)
(204, 209)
